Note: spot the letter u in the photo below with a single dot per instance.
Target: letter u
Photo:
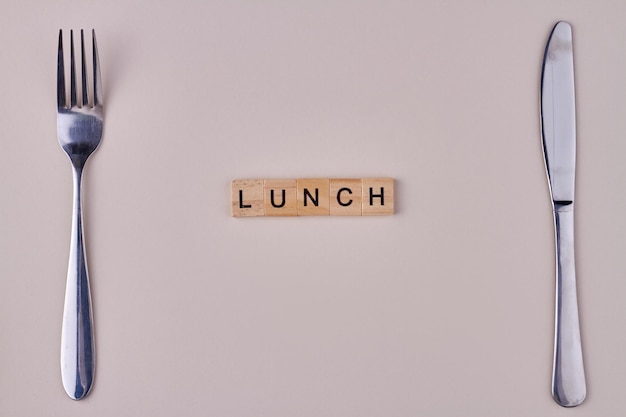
(282, 203)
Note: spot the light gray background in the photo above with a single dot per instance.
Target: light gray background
(445, 308)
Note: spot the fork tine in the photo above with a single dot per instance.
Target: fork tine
(97, 81)
(72, 72)
(60, 73)
(83, 69)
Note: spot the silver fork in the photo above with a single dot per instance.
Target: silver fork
(79, 129)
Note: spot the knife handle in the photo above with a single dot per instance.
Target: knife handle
(568, 376)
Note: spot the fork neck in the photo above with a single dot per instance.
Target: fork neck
(78, 161)
(77, 171)
(77, 175)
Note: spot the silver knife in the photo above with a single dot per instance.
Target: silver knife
(558, 130)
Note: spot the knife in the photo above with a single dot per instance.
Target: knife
(558, 131)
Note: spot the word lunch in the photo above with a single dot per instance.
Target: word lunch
(312, 197)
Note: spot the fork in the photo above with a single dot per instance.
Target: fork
(79, 129)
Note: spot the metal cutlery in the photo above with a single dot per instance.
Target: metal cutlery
(558, 129)
(79, 129)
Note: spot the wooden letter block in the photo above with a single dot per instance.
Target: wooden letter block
(377, 196)
(247, 198)
(313, 196)
(345, 197)
(280, 197)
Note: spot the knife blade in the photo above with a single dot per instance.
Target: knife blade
(558, 130)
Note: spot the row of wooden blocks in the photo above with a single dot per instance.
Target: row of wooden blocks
(312, 197)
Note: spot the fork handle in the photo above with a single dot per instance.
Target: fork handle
(77, 337)
(568, 377)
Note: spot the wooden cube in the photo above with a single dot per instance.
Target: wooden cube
(280, 197)
(247, 198)
(377, 196)
(312, 197)
(345, 197)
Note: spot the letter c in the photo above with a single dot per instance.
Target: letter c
(339, 197)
